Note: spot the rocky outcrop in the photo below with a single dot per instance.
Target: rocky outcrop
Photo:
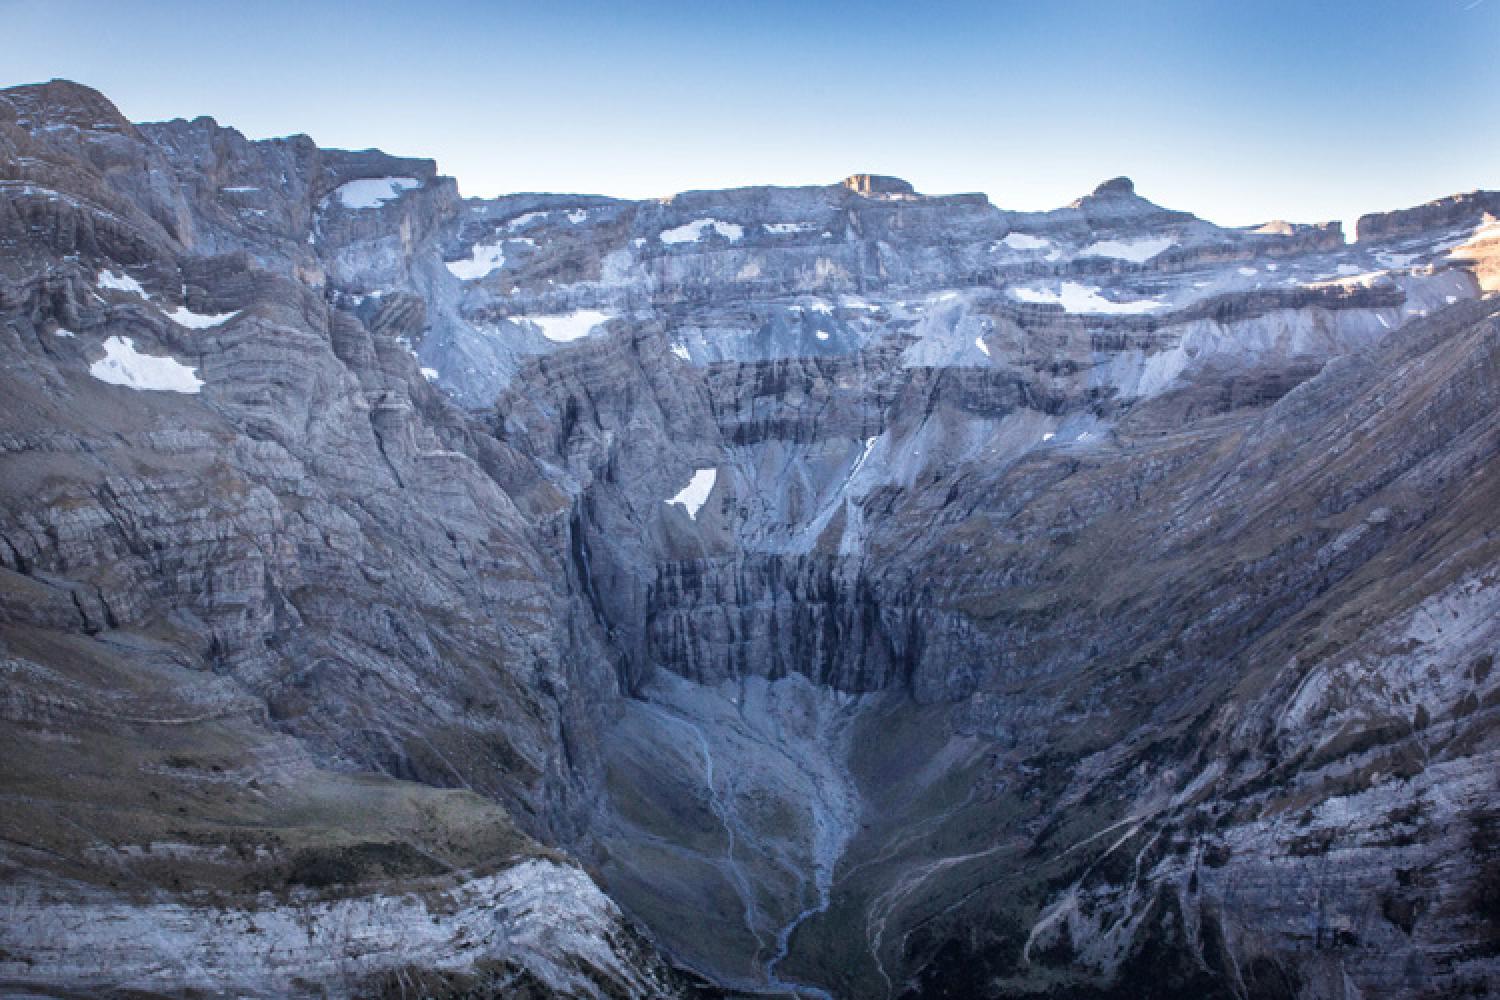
(537, 929)
(877, 184)
(1455, 210)
(311, 537)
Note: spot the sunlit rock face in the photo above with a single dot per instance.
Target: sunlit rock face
(834, 591)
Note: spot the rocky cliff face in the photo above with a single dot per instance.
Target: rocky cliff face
(878, 594)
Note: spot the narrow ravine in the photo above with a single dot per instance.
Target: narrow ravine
(768, 758)
(835, 814)
(783, 943)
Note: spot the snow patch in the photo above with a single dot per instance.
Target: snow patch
(695, 494)
(430, 374)
(483, 258)
(123, 365)
(183, 316)
(1077, 298)
(681, 352)
(785, 228)
(69, 333)
(374, 191)
(979, 343)
(696, 230)
(121, 283)
(565, 327)
(1137, 251)
(1025, 241)
(525, 219)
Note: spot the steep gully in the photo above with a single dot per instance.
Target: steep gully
(816, 755)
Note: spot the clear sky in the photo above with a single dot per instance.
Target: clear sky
(1239, 111)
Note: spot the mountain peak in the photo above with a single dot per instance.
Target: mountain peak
(1115, 202)
(1115, 187)
(64, 102)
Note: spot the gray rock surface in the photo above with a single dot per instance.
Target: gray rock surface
(876, 594)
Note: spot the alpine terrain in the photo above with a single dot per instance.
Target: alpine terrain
(824, 592)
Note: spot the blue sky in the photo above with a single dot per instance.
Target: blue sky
(1241, 112)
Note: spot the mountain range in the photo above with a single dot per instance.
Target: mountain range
(833, 591)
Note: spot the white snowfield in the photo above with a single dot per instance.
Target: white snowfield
(483, 258)
(695, 494)
(1137, 251)
(694, 231)
(374, 191)
(525, 219)
(548, 918)
(120, 283)
(1025, 241)
(784, 228)
(123, 365)
(1077, 298)
(564, 327)
(183, 316)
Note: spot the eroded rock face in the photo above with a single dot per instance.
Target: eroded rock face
(540, 927)
(873, 184)
(306, 570)
(880, 594)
